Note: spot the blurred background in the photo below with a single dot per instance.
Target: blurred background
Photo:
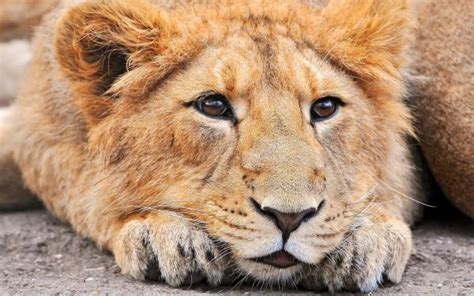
(17, 19)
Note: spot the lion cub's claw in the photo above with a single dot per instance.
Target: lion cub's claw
(364, 257)
(170, 248)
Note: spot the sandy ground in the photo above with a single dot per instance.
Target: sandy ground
(40, 255)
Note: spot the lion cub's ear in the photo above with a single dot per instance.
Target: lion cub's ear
(367, 37)
(98, 42)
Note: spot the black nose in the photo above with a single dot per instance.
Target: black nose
(287, 222)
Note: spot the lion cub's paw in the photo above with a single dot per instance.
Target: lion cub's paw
(167, 247)
(371, 251)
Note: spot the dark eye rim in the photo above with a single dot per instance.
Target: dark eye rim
(228, 115)
(339, 103)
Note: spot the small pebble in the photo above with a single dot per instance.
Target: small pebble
(89, 279)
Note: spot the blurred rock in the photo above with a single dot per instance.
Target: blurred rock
(18, 17)
(15, 56)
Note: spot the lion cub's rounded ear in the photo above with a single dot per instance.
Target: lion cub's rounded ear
(99, 41)
(367, 37)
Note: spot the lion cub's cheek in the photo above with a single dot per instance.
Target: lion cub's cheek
(201, 137)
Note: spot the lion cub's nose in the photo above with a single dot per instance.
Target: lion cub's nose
(287, 222)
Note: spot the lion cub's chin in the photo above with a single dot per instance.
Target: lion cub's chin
(268, 273)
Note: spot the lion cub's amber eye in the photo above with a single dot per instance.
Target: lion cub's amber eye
(324, 108)
(214, 105)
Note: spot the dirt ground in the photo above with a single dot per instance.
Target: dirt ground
(40, 255)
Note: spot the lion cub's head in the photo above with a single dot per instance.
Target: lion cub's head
(268, 122)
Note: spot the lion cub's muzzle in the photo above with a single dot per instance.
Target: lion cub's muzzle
(287, 223)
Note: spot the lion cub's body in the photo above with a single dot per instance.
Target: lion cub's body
(105, 134)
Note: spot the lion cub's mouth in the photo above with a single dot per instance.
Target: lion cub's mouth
(280, 259)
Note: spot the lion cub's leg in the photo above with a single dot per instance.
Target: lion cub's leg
(13, 194)
(377, 245)
(165, 245)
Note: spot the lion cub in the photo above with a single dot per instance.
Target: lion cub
(207, 138)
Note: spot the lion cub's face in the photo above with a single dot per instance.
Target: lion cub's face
(271, 139)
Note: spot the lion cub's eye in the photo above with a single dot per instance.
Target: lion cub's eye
(214, 105)
(324, 108)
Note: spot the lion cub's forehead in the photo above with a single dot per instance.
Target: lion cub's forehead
(246, 65)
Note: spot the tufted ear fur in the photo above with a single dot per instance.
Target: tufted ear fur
(368, 39)
(105, 47)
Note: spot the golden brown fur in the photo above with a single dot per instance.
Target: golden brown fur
(108, 139)
(445, 106)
